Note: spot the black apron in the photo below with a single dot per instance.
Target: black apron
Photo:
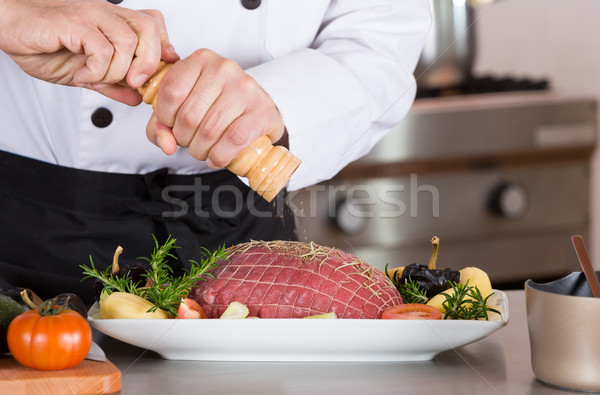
(53, 218)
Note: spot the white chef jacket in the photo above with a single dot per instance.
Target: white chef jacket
(339, 71)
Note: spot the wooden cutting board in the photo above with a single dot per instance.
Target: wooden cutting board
(89, 377)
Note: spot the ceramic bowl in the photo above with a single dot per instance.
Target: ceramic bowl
(564, 332)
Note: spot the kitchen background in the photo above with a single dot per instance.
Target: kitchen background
(554, 39)
(503, 178)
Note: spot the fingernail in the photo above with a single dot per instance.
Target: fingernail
(159, 142)
(140, 79)
(172, 51)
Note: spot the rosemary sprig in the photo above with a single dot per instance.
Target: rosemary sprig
(159, 269)
(466, 302)
(166, 291)
(413, 292)
(162, 289)
(480, 309)
(410, 290)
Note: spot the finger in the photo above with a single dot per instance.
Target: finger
(239, 134)
(218, 119)
(115, 61)
(147, 51)
(121, 61)
(121, 94)
(175, 88)
(194, 109)
(161, 136)
(167, 51)
(242, 132)
(98, 51)
(124, 38)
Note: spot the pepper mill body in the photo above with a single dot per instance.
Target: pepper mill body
(267, 167)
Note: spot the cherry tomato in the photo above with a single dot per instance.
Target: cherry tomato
(411, 311)
(49, 338)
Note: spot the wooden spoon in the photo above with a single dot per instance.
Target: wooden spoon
(586, 265)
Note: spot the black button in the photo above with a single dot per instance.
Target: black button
(115, 1)
(102, 117)
(251, 4)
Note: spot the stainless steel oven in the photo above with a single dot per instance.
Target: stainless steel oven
(502, 179)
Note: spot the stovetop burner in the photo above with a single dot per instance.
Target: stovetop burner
(486, 84)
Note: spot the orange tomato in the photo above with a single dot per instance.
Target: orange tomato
(49, 340)
(411, 311)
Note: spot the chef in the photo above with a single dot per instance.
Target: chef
(84, 168)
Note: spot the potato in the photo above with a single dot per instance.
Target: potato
(476, 278)
(126, 305)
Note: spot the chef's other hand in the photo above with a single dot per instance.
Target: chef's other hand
(210, 105)
(86, 43)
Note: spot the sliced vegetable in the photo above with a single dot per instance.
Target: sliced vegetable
(331, 315)
(235, 310)
(411, 311)
(49, 338)
(190, 309)
(126, 305)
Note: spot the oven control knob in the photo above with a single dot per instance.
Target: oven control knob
(509, 200)
(350, 217)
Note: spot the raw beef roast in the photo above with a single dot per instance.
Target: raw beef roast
(292, 280)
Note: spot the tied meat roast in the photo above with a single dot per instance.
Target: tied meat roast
(282, 279)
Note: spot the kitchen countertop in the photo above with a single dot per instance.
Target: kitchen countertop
(498, 364)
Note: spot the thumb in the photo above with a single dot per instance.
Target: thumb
(161, 136)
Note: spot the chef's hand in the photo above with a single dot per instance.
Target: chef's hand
(210, 105)
(86, 43)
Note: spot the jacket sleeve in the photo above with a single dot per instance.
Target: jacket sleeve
(355, 82)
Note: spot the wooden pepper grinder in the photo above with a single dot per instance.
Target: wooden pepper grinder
(267, 167)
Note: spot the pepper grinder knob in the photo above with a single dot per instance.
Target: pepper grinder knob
(267, 167)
